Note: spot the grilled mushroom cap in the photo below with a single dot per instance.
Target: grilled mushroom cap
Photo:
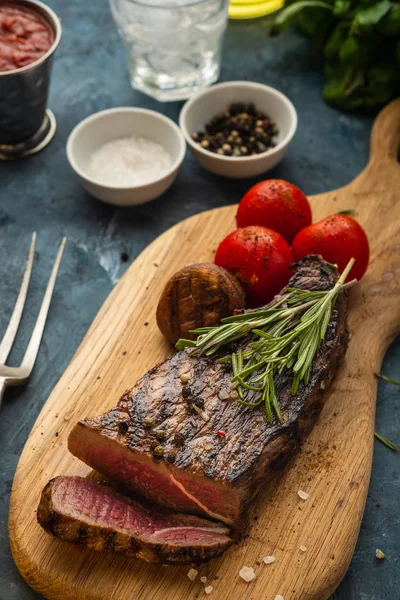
(197, 296)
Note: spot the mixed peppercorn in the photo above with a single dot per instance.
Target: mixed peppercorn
(242, 130)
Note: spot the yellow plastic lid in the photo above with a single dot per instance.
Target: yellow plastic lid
(251, 9)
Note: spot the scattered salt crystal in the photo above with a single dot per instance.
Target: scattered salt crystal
(322, 386)
(208, 589)
(192, 574)
(200, 412)
(203, 579)
(303, 548)
(303, 495)
(279, 597)
(224, 395)
(247, 573)
(269, 559)
(129, 161)
(184, 377)
(379, 554)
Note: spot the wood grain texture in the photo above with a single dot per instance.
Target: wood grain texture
(334, 465)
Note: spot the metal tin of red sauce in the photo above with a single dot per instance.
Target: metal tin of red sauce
(29, 35)
(25, 36)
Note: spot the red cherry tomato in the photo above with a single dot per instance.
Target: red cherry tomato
(338, 239)
(260, 259)
(275, 204)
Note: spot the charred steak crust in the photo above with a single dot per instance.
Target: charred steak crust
(83, 512)
(161, 439)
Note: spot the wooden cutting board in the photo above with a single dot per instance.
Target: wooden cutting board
(335, 463)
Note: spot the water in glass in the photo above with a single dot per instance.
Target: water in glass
(173, 46)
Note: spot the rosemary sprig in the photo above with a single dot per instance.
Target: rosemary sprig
(385, 441)
(380, 437)
(286, 334)
(386, 378)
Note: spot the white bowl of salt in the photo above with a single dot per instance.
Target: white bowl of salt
(126, 156)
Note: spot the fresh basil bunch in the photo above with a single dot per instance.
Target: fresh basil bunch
(360, 40)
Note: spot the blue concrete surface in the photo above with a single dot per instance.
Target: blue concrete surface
(41, 194)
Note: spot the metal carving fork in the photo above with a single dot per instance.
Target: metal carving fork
(19, 375)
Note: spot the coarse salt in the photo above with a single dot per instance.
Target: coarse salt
(247, 573)
(208, 589)
(203, 579)
(200, 412)
(269, 559)
(192, 574)
(379, 554)
(279, 597)
(303, 495)
(303, 548)
(129, 161)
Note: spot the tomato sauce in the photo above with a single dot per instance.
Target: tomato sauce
(25, 36)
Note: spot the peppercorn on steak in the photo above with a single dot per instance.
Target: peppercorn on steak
(181, 439)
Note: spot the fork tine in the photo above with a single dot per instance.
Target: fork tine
(13, 325)
(36, 337)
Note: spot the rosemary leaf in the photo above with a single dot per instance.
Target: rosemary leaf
(240, 359)
(274, 400)
(296, 383)
(225, 359)
(388, 379)
(307, 375)
(245, 403)
(347, 211)
(325, 322)
(182, 343)
(234, 364)
(267, 400)
(385, 441)
(247, 386)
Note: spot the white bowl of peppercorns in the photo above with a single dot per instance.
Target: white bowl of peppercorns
(239, 129)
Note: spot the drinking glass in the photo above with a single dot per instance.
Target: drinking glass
(173, 46)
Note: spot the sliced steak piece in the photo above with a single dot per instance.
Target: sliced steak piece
(162, 439)
(81, 511)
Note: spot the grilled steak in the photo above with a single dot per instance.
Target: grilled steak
(162, 440)
(80, 511)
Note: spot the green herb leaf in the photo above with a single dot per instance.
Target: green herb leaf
(385, 441)
(341, 8)
(366, 19)
(317, 24)
(335, 41)
(388, 379)
(390, 24)
(348, 211)
(342, 86)
(288, 14)
(360, 42)
(352, 52)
